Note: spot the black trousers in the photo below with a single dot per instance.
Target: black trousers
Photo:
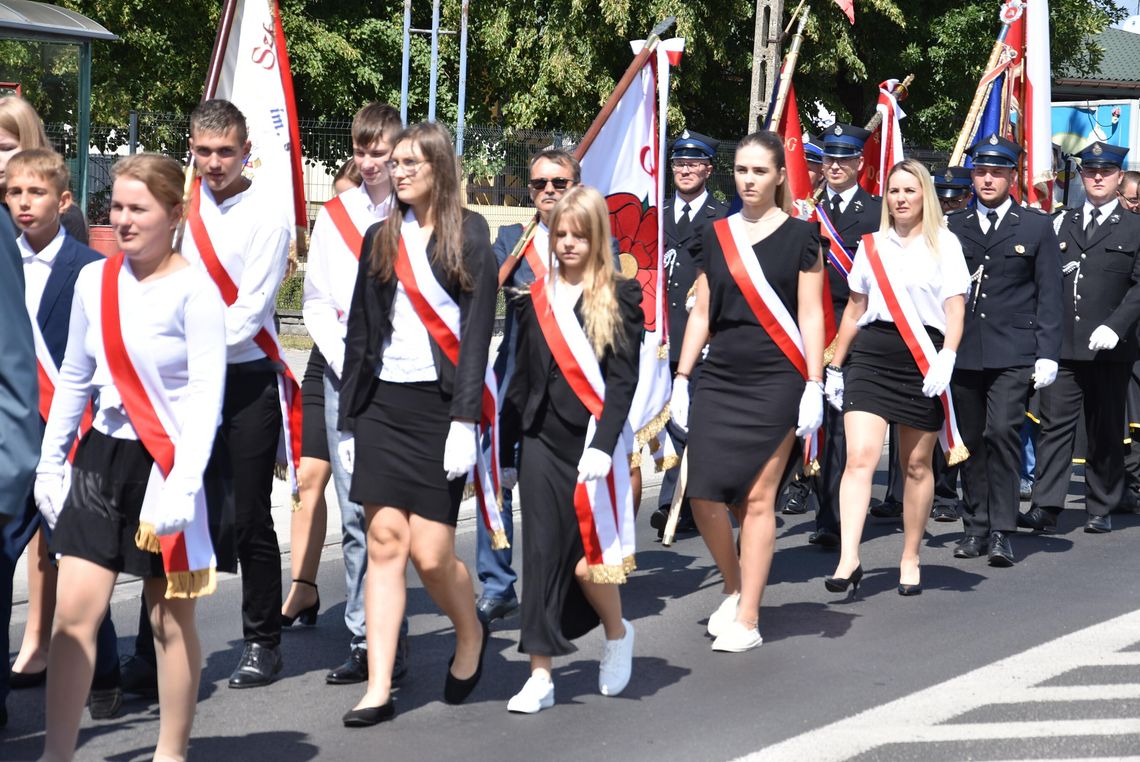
(990, 405)
(1099, 389)
(833, 461)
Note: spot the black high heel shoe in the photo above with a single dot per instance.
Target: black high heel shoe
(840, 584)
(915, 589)
(307, 615)
(456, 691)
(367, 716)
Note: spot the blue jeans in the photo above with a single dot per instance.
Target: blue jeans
(494, 566)
(1029, 431)
(353, 542)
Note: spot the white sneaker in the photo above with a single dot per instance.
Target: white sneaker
(617, 663)
(724, 615)
(537, 694)
(736, 638)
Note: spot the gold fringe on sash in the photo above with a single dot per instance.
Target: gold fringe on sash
(498, 539)
(146, 538)
(629, 564)
(957, 455)
(663, 351)
(191, 584)
(604, 574)
(295, 503)
(811, 469)
(829, 351)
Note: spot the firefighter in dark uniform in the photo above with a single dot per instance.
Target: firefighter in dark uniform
(684, 217)
(813, 153)
(1011, 343)
(954, 186)
(1101, 306)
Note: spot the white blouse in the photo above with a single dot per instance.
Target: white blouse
(183, 317)
(406, 354)
(928, 281)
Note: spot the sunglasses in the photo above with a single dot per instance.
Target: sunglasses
(559, 183)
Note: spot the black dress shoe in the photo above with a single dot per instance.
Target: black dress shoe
(1037, 519)
(945, 514)
(490, 609)
(138, 676)
(1098, 525)
(456, 691)
(970, 547)
(659, 518)
(20, 680)
(367, 716)
(887, 509)
(259, 666)
(824, 538)
(1001, 552)
(796, 502)
(354, 670)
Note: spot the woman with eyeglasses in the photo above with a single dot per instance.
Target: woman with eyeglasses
(412, 401)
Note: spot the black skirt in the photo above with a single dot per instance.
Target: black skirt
(400, 438)
(881, 377)
(314, 440)
(554, 610)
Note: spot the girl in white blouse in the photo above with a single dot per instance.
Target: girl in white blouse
(893, 360)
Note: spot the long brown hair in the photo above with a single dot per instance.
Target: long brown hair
(774, 144)
(434, 143)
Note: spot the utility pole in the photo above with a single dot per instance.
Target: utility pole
(766, 59)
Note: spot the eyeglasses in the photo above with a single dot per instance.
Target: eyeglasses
(841, 160)
(409, 166)
(689, 166)
(1102, 171)
(559, 183)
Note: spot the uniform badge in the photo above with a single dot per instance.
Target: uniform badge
(993, 140)
(857, 205)
(838, 130)
(1097, 150)
(685, 135)
(948, 177)
(1114, 219)
(1019, 249)
(1064, 245)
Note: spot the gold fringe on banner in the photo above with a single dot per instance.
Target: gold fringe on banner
(669, 461)
(957, 455)
(812, 468)
(146, 539)
(650, 430)
(628, 564)
(498, 539)
(191, 584)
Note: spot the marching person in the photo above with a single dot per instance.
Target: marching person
(1011, 341)
(685, 217)
(1129, 194)
(813, 154)
(577, 366)
(334, 255)
(1101, 297)
(412, 406)
(759, 307)
(954, 187)
(148, 336)
(893, 360)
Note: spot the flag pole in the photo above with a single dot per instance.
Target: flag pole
(979, 99)
(788, 69)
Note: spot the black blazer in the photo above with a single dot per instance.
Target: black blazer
(1012, 318)
(680, 266)
(1105, 288)
(538, 384)
(54, 316)
(369, 325)
(863, 215)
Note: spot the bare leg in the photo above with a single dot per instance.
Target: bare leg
(916, 451)
(41, 608)
(605, 599)
(307, 528)
(635, 487)
(179, 668)
(758, 534)
(716, 530)
(448, 583)
(83, 594)
(385, 595)
(865, 433)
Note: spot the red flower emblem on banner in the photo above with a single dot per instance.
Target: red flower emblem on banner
(634, 225)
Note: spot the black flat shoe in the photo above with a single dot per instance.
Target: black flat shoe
(308, 615)
(20, 680)
(824, 538)
(354, 670)
(970, 547)
(456, 691)
(1098, 525)
(367, 716)
(840, 584)
(1037, 519)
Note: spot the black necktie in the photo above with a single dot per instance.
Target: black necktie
(1090, 228)
(684, 223)
(836, 205)
(992, 216)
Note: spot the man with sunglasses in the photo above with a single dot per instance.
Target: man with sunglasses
(1100, 262)
(1129, 192)
(692, 209)
(553, 171)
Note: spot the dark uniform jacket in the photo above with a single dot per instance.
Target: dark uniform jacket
(1101, 278)
(54, 316)
(862, 216)
(369, 325)
(680, 270)
(1013, 314)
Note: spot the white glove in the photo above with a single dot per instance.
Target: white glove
(508, 478)
(1044, 373)
(833, 387)
(679, 403)
(1103, 337)
(346, 451)
(460, 450)
(594, 465)
(938, 377)
(49, 492)
(177, 510)
(811, 409)
(690, 302)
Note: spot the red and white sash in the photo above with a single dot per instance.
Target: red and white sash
(604, 506)
(910, 326)
(441, 316)
(344, 225)
(48, 377)
(187, 557)
(288, 390)
(766, 305)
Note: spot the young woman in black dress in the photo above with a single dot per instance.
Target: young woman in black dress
(580, 333)
(759, 307)
(413, 403)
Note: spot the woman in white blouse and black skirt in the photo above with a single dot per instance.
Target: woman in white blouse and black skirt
(893, 360)
(413, 393)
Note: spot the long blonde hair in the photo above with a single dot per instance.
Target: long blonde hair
(585, 211)
(932, 218)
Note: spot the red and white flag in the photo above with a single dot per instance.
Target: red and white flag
(848, 8)
(1032, 95)
(884, 148)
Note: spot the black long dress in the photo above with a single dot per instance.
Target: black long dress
(552, 421)
(748, 395)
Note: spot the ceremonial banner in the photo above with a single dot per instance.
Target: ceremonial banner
(884, 148)
(799, 181)
(848, 8)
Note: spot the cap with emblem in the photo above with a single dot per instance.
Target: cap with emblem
(1102, 156)
(813, 150)
(952, 182)
(994, 151)
(693, 145)
(844, 141)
